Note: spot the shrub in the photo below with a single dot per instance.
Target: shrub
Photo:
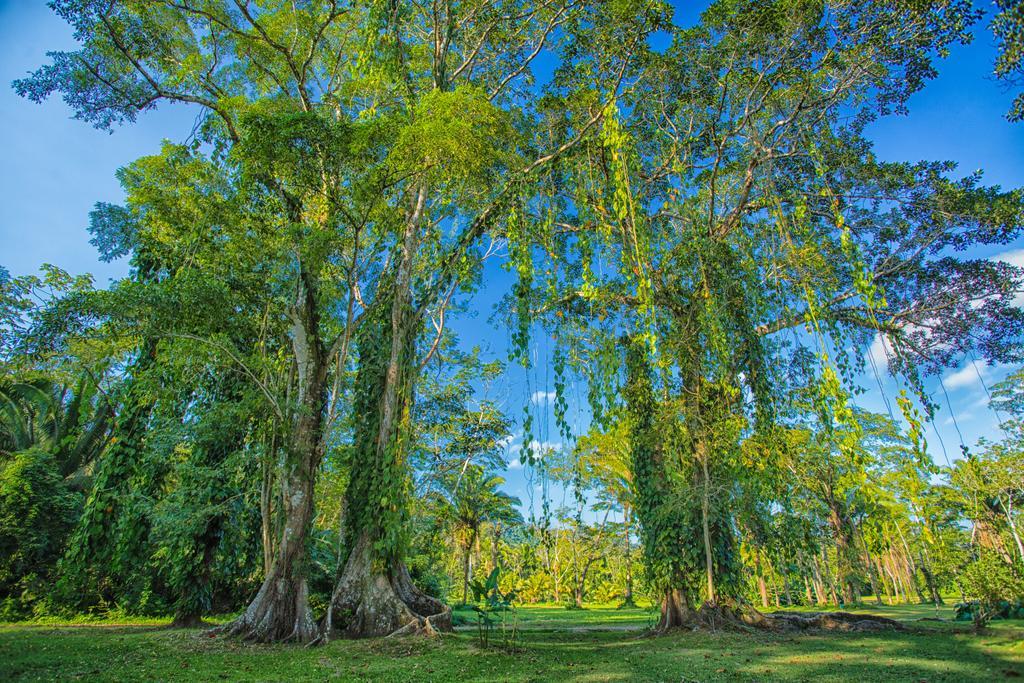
(992, 586)
(37, 511)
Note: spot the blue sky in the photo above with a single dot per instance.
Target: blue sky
(53, 169)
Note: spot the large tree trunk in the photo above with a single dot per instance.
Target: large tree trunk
(845, 564)
(676, 610)
(372, 600)
(375, 595)
(1007, 506)
(705, 512)
(280, 611)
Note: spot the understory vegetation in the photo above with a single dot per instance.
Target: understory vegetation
(294, 422)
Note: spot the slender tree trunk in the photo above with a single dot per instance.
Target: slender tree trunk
(555, 577)
(893, 576)
(912, 566)
(495, 542)
(884, 580)
(627, 599)
(762, 587)
(929, 581)
(819, 583)
(876, 588)
(1008, 511)
(705, 512)
(828, 576)
(465, 574)
(266, 510)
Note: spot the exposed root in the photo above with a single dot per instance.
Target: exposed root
(835, 621)
(421, 626)
(369, 602)
(279, 613)
(712, 617)
(736, 616)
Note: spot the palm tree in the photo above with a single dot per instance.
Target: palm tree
(475, 499)
(70, 424)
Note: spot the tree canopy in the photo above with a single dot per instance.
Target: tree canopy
(275, 404)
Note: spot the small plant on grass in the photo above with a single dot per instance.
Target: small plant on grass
(495, 608)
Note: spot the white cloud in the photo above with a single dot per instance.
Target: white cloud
(543, 447)
(506, 441)
(960, 418)
(876, 352)
(967, 376)
(1015, 257)
(542, 397)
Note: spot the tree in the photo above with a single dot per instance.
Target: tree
(37, 511)
(605, 456)
(329, 124)
(474, 500)
(733, 200)
(1008, 28)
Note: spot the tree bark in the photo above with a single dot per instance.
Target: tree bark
(370, 600)
(269, 531)
(844, 545)
(280, 611)
(495, 543)
(929, 580)
(705, 512)
(676, 610)
(762, 587)
(1008, 511)
(465, 573)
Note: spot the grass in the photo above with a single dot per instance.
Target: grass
(558, 645)
(607, 617)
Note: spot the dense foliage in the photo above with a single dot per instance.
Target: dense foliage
(272, 415)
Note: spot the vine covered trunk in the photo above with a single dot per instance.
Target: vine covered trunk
(375, 595)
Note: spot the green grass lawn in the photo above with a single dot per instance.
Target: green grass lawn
(595, 617)
(557, 645)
